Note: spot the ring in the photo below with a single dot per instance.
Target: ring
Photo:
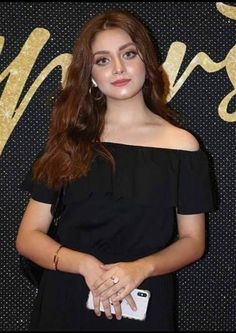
(115, 279)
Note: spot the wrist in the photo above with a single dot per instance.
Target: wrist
(84, 263)
(69, 260)
(146, 267)
(56, 257)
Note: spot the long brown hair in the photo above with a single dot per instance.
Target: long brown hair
(77, 120)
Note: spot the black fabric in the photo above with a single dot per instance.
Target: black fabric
(122, 217)
(39, 191)
(29, 269)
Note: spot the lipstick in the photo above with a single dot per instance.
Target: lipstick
(120, 83)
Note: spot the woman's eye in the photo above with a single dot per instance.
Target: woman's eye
(101, 61)
(130, 54)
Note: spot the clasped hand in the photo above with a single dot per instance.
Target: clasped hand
(116, 284)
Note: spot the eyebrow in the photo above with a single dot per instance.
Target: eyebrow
(120, 49)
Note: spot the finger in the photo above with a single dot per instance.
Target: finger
(106, 286)
(107, 308)
(131, 302)
(110, 292)
(98, 283)
(96, 303)
(123, 293)
(101, 286)
(117, 308)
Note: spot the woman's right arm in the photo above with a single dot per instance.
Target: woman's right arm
(33, 242)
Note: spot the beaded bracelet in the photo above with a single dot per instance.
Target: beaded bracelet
(56, 258)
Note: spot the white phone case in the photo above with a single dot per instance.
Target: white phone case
(141, 298)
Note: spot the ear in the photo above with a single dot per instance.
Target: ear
(94, 83)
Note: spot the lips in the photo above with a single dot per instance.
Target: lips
(120, 83)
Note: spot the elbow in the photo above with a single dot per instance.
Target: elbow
(20, 244)
(200, 251)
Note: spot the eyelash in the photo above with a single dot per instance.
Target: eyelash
(102, 58)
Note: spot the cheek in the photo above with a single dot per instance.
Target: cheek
(138, 72)
(142, 76)
(101, 76)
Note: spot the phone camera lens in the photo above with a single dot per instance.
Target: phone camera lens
(142, 294)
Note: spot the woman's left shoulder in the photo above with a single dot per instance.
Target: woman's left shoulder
(180, 138)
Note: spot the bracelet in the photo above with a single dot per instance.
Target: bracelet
(56, 258)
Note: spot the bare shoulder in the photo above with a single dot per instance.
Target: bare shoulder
(179, 138)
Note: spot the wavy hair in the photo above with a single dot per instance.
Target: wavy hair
(78, 117)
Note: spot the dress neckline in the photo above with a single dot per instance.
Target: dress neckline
(126, 145)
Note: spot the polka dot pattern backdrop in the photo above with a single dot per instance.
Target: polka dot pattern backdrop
(206, 290)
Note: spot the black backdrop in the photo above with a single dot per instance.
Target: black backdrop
(207, 289)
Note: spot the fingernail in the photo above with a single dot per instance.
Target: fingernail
(118, 317)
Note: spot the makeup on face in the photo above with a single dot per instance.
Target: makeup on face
(117, 64)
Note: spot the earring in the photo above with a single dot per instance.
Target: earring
(94, 83)
(96, 94)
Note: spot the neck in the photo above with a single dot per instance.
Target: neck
(127, 111)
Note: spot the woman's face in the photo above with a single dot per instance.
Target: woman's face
(117, 67)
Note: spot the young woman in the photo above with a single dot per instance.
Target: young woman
(131, 174)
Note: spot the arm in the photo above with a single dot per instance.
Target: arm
(188, 248)
(33, 242)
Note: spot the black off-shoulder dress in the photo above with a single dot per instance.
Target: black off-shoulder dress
(121, 217)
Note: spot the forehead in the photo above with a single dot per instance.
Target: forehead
(110, 40)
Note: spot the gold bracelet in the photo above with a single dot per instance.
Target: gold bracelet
(56, 258)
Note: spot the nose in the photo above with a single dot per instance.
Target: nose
(118, 67)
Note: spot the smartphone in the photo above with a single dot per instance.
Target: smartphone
(141, 298)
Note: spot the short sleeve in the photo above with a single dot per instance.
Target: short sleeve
(195, 194)
(39, 191)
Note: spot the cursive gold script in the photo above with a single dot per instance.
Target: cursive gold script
(18, 72)
(20, 68)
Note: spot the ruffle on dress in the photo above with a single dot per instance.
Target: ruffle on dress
(144, 175)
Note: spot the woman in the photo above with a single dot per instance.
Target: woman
(131, 174)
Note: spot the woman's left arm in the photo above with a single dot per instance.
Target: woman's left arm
(188, 248)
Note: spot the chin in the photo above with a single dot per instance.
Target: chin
(125, 95)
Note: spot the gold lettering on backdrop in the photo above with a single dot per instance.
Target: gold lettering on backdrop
(18, 72)
(177, 52)
(2, 40)
(227, 10)
(20, 68)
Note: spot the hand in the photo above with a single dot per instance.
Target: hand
(117, 305)
(91, 270)
(118, 281)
